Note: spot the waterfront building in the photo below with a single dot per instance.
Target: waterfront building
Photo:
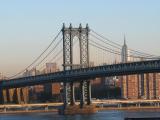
(129, 83)
(52, 89)
(140, 86)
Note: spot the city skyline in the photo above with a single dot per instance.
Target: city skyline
(28, 27)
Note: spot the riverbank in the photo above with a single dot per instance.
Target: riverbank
(100, 105)
(105, 115)
(146, 108)
(30, 111)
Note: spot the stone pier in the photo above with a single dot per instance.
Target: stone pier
(16, 95)
(76, 109)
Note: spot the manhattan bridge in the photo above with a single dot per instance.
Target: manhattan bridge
(75, 49)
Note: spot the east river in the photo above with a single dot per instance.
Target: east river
(102, 115)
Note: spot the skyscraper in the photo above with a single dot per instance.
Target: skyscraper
(129, 83)
(124, 81)
(143, 86)
(124, 52)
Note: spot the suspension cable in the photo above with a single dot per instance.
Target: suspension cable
(117, 47)
(53, 58)
(141, 53)
(111, 50)
(37, 57)
(49, 53)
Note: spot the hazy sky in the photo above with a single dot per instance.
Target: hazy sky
(27, 26)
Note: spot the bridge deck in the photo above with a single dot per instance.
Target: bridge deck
(85, 74)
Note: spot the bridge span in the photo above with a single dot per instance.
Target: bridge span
(85, 74)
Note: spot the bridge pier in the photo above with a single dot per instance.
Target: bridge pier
(21, 95)
(69, 97)
(4, 99)
(11, 95)
(1, 96)
(85, 95)
(85, 106)
(18, 95)
(72, 94)
(5, 95)
(82, 97)
(65, 94)
(25, 95)
(89, 92)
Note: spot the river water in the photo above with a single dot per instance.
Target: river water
(103, 115)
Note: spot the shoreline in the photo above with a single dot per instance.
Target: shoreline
(29, 111)
(146, 108)
(149, 108)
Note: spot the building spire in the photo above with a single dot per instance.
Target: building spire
(124, 39)
(124, 57)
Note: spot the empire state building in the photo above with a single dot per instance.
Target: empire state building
(124, 52)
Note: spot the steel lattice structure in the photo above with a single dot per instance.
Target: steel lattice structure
(68, 36)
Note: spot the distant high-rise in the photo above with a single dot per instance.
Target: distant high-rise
(49, 88)
(145, 86)
(129, 83)
(124, 81)
(124, 52)
(51, 67)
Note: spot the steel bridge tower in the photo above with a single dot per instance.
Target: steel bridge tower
(69, 33)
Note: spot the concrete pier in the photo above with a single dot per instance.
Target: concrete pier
(76, 109)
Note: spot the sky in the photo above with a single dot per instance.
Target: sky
(28, 26)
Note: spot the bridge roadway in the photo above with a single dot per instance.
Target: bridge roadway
(85, 74)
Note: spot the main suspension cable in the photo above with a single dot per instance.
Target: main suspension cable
(36, 58)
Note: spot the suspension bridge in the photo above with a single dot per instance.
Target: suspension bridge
(75, 50)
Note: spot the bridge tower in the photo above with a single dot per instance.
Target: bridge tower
(69, 33)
